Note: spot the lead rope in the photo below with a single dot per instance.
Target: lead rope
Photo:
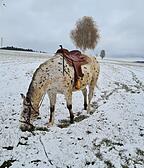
(42, 100)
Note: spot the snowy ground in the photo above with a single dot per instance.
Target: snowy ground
(112, 136)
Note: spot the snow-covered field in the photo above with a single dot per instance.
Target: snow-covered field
(111, 136)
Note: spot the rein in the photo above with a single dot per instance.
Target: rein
(39, 104)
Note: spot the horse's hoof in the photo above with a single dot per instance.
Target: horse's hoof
(85, 107)
(50, 124)
(88, 109)
(72, 121)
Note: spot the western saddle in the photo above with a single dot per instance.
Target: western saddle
(75, 59)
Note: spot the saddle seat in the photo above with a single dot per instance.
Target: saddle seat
(75, 59)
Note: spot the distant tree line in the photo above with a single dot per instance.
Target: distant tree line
(16, 49)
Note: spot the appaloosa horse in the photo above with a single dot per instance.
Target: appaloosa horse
(49, 78)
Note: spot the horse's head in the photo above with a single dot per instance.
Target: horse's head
(25, 118)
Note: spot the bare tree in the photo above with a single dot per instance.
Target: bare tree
(3, 4)
(102, 54)
(85, 35)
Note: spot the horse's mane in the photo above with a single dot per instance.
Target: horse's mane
(31, 88)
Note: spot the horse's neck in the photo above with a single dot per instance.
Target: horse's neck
(35, 96)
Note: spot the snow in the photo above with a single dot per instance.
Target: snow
(112, 135)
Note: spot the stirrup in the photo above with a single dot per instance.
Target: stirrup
(78, 84)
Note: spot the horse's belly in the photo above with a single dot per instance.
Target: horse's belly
(60, 85)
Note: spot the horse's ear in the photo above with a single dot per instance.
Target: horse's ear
(23, 96)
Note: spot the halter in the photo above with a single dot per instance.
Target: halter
(31, 106)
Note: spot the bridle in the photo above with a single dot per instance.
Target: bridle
(30, 106)
(27, 121)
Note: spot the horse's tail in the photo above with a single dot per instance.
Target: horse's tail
(96, 64)
(96, 67)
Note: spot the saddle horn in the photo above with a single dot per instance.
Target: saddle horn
(61, 46)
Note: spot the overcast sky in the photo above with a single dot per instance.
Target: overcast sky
(44, 24)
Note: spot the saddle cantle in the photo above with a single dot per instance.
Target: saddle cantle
(75, 59)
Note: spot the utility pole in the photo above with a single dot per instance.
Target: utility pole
(1, 42)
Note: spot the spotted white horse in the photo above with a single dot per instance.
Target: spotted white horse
(49, 78)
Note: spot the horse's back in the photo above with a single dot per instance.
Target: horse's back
(59, 77)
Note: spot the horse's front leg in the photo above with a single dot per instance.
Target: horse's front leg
(52, 98)
(68, 96)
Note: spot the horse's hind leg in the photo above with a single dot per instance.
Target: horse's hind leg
(91, 92)
(52, 98)
(68, 96)
(84, 91)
